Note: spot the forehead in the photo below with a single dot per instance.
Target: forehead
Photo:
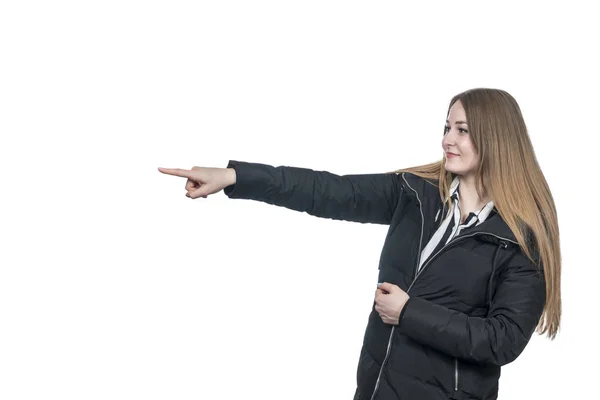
(456, 112)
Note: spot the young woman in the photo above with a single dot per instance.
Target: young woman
(471, 263)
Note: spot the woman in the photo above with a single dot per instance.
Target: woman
(471, 262)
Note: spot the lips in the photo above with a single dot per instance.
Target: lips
(448, 154)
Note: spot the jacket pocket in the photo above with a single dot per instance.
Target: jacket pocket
(475, 381)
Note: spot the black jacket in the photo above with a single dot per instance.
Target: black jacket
(473, 306)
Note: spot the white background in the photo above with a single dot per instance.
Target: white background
(114, 285)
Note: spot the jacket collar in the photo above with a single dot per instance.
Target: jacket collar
(426, 194)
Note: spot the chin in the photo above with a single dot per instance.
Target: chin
(453, 169)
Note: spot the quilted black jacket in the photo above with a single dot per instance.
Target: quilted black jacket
(473, 306)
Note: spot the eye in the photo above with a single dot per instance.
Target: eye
(461, 130)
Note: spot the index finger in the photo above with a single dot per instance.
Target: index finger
(176, 171)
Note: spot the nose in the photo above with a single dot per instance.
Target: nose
(448, 140)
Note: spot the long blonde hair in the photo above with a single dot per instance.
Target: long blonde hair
(509, 173)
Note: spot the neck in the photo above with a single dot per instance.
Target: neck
(468, 192)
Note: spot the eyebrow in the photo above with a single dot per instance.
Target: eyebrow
(458, 122)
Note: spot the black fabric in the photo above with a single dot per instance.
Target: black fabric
(447, 328)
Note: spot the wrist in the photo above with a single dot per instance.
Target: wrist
(231, 176)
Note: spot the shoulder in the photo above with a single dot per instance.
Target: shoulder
(421, 186)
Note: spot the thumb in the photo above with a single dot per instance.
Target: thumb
(388, 287)
(202, 191)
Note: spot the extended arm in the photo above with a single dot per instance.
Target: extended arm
(369, 198)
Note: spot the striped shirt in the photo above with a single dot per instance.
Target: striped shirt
(451, 226)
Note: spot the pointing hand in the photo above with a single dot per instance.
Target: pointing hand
(203, 181)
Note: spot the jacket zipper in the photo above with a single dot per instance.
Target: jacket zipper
(417, 274)
(455, 374)
(389, 346)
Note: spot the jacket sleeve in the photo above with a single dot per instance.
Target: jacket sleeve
(500, 337)
(369, 198)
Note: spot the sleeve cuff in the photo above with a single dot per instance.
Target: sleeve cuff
(230, 190)
(253, 180)
(403, 310)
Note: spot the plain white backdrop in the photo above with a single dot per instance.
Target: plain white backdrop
(114, 285)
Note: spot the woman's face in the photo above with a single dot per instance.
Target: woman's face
(457, 141)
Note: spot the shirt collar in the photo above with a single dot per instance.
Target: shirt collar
(482, 214)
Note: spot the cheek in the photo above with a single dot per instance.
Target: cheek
(470, 150)
(473, 159)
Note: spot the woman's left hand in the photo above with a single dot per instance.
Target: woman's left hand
(389, 302)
